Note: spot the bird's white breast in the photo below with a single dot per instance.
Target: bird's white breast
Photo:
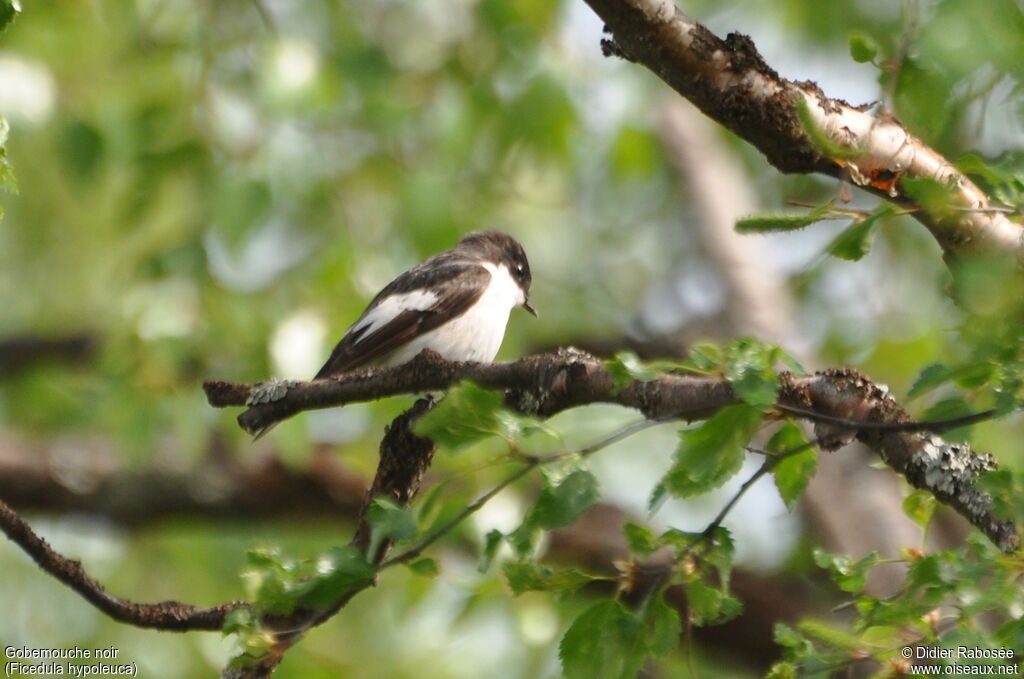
(475, 335)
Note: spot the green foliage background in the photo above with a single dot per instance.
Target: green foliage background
(194, 175)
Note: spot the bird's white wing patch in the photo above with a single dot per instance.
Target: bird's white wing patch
(389, 307)
(476, 334)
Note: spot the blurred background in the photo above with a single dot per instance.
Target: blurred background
(216, 189)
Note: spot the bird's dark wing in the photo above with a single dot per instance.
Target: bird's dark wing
(455, 287)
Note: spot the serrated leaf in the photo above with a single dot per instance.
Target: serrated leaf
(604, 642)
(709, 606)
(749, 370)
(708, 455)
(794, 470)
(658, 496)
(469, 414)
(863, 49)
(529, 576)
(849, 574)
(720, 553)
(855, 241)
(558, 505)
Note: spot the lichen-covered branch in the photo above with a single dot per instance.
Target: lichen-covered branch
(948, 471)
(731, 83)
(548, 383)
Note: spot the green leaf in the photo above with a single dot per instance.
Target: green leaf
(920, 507)
(606, 641)
(238, 620)
(720, 553)
(793, 470)
(705, 357)
(863, 49)
(708, 455)
(557, 506)
(341, 570)
(560, 505)
(1011, 633)
(821, 141)
(709, 606)
(934, 197)
(855, 241)
(931, 377)
(663, 625)
(469, 414)
(390, 520)
(782, 670)
(786, 636)
(749, 367)
(626, 367)
(777, 223)
(8, 10)
(641, 540)
(529, 576)
(425, 567)
(492, 541)
(270, 581)
(848, 574)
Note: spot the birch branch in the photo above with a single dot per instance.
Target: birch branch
(731, 83)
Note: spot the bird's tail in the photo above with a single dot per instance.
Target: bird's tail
(255, 420)
(258, 432)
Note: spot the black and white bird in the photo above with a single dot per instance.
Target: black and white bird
(456, 303)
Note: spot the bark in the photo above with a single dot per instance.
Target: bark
(844, 405)
(731, 83)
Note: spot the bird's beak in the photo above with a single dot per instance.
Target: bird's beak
(529, 307)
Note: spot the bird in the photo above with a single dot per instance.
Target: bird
(456, 303)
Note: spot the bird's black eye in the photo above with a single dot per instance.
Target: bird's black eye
(520, 270)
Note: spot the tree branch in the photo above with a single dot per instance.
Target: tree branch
(404, 458)
(36, 476)
(731, 83)
(548, 383)
(167, 615)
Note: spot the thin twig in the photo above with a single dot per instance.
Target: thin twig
(168, 615)
(468, 511)
(765, 467)
(854, 425)
(531, 464)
